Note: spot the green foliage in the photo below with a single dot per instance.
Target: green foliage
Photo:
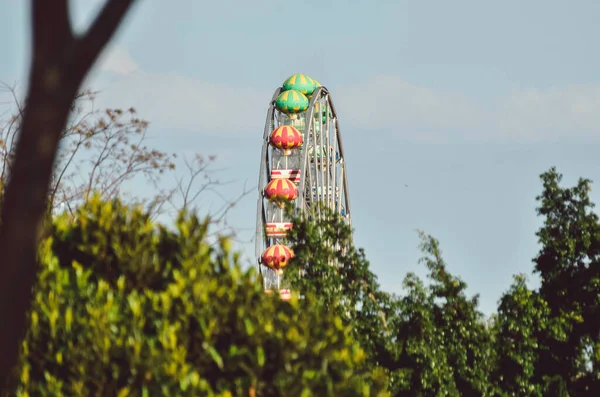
(432, 341)
(320, 244)
(462, 325)
(331, 268)
(124, 307)
(443, 344)
(569, 267)
(423, 367)
(522, 318)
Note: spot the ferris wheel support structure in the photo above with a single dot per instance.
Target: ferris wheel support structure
(317, 168)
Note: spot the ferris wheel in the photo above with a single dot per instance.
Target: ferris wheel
(302, 161)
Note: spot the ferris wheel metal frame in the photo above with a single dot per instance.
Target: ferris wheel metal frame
(319, 165)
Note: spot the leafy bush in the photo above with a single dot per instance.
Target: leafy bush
(124, 307)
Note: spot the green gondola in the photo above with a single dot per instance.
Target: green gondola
(301, 83)
(291, 102)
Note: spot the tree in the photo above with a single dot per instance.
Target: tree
(327, 264)
(103, 150)
(127, 307)
(100, 150)
(60, 62)
(569, 266)
(443, 346)
(547, 340)
(431, 341)
(522, 319)
(422, 367)
(464, 333)
(200, 179)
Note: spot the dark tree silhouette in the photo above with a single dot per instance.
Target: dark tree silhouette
(60, 62)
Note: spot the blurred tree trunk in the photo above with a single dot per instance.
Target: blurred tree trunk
(60, 63)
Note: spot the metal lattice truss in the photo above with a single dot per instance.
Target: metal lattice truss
(317, 168)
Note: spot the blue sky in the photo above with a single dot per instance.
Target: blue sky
(466, 102)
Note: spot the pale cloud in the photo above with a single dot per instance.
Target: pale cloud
(189, 104)
(117, 60)
(390, 103)
(428, 114)
(535, 114)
